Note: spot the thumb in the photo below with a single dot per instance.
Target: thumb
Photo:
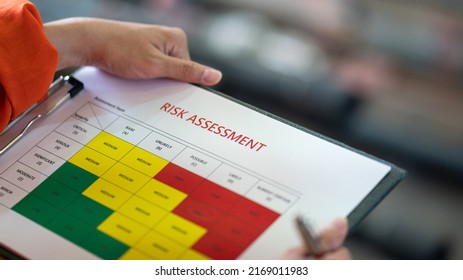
(190, 71)
(333, 237)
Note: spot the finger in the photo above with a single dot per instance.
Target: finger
(190, 71)
(179, 53)
(177, 42)
(296, 253)
(333, 237)
(341, 254)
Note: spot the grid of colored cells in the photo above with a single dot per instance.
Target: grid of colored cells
(119, 201)
(121, 189)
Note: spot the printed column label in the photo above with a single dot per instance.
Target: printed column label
(233, 179)
(161, 146)
(196, 162)
(271, 197)
(78, 131)
(128, 131)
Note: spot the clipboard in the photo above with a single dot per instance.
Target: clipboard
(18, 127)
(264, 164)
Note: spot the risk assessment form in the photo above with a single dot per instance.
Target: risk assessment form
(170, 161)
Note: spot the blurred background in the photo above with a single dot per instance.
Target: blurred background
(385, 77)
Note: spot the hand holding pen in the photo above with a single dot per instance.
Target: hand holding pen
(327, 245)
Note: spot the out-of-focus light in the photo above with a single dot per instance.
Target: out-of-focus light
(291, 54)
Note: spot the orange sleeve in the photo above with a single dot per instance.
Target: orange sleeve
(27, 59)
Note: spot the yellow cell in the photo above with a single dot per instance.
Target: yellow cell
(161, 194)
(144, 161)
(160, 247)
(107, 194)
(180, 230)
(110, 145)
(126, 177)
(133, 254)
(194, 255)
(142, 211)
(123, 229)
(92, 161)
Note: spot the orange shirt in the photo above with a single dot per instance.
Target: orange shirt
(27, 59)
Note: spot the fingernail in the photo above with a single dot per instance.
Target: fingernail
(211, 76)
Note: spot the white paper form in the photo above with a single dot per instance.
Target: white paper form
(231, 174)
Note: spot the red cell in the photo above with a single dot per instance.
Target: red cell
(218, 248)
(198, 212)
(253, 214)
(179, 178)
(236, 231)
(215, 195)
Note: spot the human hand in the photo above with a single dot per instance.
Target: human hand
(331, 240)
(128, 50)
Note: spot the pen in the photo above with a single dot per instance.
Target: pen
(308, 234)
(77, 86)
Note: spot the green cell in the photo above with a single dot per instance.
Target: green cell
(69, 227)
(74, 177)
(55, 193)
(88, 210)
(104, 246)
(36, 209)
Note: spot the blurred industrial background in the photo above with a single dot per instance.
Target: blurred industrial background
(382, 76)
